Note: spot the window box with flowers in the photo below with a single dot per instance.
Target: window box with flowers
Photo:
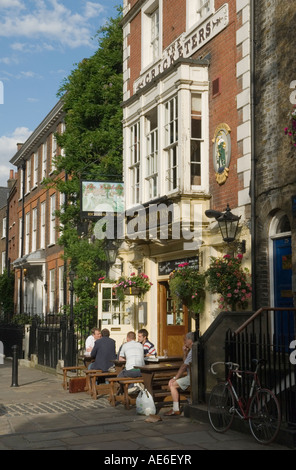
(227, 277)
(187, 286)
(290, 130)
(135, 284)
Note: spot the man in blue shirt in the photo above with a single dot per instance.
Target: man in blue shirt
(103, 352)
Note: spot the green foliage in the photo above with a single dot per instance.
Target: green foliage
(187, 286)
(92, 96)
(227, 277)
(7, 294)
(92, 144)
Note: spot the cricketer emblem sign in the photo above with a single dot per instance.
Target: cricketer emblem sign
(222, 152)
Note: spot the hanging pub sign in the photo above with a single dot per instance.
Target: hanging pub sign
(221, 152)
(101, 197)
(166, 267)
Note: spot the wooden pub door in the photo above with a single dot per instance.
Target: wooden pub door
(172, 323)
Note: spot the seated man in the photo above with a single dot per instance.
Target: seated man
(90, 341)
(103, 352)
(179, 382)
(149, 349)
(133, 353)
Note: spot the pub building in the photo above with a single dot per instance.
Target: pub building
(187, 133)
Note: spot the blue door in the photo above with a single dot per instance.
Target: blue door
(283, 297)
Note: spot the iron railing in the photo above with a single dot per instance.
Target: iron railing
(268, 334)
(56, 338)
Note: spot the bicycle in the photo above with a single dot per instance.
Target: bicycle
(261, 408)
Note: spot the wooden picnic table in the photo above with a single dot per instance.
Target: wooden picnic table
(157, 375)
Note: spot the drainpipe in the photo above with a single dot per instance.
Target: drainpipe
(253, 160)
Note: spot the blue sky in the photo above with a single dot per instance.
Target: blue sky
(40, 43)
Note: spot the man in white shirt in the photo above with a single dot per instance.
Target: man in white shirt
(90, 341)
(133, 353)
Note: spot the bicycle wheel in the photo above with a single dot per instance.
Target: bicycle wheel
(264, 416)
(220, 407)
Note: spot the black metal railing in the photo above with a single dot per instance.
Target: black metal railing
(268, 334)
(55, 338)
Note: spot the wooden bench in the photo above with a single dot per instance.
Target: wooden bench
(124, 397)
(72, 369)
(89, 373)
(104, 388)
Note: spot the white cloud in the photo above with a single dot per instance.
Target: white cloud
(8, 148)
(9, 60)
(50, 20)
(11, 4)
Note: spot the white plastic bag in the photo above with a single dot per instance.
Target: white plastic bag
(145, 403)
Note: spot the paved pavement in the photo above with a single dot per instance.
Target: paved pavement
(40, 415)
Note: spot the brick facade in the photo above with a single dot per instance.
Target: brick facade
(38, 256)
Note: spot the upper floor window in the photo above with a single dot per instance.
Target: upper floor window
(54, 147)
(28, 181)
(203, 8)
(152, 153)
(27, 240)
(196, 138)
(20, 237)
(171, 143)
(52, 226)
(4, 227)
(151, 32)
(35, 172)
(155, 34)
(198, 11)
(43, 225)
(135, 162)
(34, 230)
(44, 160)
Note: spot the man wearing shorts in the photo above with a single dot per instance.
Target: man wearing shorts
(179, 382)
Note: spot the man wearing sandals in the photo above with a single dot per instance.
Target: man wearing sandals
(179, 382)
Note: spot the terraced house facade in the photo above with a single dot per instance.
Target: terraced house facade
(39, 269)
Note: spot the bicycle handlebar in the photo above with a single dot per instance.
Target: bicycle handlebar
(230, 365)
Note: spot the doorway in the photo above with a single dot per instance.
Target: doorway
(283, 296)
(281, 279)
(172, 322)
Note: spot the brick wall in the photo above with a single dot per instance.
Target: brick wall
(174, 21)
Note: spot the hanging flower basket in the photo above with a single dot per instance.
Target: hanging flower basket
(133, 291)
(226, 276)
(135, 284)
(187, 287)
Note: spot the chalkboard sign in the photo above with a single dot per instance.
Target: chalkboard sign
(166, 267)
